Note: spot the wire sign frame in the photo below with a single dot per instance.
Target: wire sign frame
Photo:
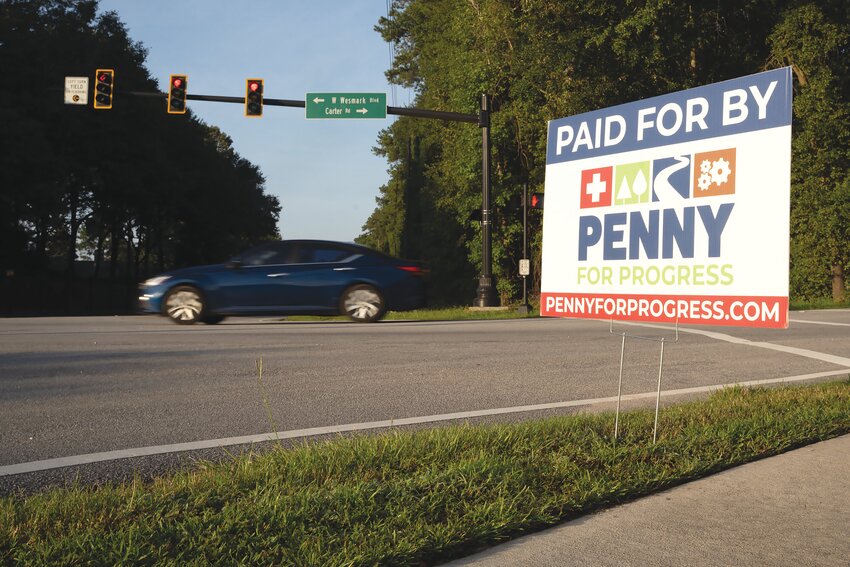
(661, 340)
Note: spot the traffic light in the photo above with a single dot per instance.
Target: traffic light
(177, 94)
(104, 81)
(536, 201)
(254, 97)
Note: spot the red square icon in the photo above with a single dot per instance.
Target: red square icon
(597, 187)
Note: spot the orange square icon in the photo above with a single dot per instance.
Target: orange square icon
(714, 173)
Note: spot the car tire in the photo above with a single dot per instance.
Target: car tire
(363, 303)
(184, 305)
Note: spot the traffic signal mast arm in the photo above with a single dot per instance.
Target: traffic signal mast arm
(395, 110)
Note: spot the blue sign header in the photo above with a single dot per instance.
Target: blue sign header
(756, 102)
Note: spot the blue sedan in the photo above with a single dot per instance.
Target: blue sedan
(289, 277)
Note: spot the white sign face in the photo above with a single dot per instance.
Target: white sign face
(525, 267)
(76, 90)
(674, 208)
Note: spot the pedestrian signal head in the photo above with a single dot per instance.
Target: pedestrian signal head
(536, 201)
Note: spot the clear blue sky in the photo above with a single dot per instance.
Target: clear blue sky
(323, 171)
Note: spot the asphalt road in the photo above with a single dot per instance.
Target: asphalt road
(78, 386)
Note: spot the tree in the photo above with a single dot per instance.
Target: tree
(814, 41)
(540, 60)
(131, 187)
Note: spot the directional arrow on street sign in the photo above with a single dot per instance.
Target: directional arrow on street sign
(345, 105)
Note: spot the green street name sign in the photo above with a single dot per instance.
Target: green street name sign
(345, 105)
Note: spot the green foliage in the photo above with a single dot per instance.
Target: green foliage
(545, 59)
(131, 185)
(411, 498)
(816, 41)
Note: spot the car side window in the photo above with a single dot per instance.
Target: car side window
(325, 255)
(276, 253)
(269, 255)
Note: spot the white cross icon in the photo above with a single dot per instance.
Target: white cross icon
(596, 187)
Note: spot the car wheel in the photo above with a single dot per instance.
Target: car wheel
(363, 303)
(184, 305)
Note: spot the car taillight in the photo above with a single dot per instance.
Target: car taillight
(417, 270)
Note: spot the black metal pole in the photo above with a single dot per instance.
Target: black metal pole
(525, 308)
(486, 296)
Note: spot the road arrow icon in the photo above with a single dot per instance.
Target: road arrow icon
(317, 100)
(361, 111)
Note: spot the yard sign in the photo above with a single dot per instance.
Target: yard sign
(674, 208)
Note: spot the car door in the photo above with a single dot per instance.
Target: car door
(254, 282)
(314, 282)
(289, 277)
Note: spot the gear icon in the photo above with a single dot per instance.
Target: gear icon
(705, 166)
(704, 181)
(720, 171)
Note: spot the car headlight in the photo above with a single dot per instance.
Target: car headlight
(157, 280)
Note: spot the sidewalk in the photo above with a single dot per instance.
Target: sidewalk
(793, 509)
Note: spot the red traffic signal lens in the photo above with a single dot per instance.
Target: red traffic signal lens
(254, 86)
(177, 83)
(534, 200)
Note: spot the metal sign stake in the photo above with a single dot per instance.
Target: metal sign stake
(662, 340)
(619, 385)
(658, 394)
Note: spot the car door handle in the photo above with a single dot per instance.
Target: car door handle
(343, 269)
(278, 275)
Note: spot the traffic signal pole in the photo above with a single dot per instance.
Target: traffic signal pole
(486, 295)
(525, 308)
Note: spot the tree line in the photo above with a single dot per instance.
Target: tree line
(135, 191)
(546, 59)
(132, 190)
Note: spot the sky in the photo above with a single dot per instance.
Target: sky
(323, 171)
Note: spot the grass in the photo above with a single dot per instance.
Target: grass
(822, 303)
(457, 314)
(435, 314)
(411, 498)
(462, 313)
